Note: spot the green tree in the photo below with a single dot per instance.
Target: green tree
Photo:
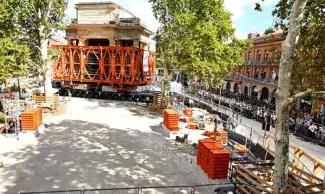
(13, 53)
(301, 70)
(35, 22)
(197, 37)
(13, 59)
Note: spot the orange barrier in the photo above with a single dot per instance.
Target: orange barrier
(192, 125)
(240, 148)
(188, 112)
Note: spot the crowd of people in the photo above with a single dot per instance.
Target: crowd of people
(309, 125)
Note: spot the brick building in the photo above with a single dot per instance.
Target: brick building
(258, 75)
(106, 24)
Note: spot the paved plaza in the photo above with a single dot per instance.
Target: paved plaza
(95, 144)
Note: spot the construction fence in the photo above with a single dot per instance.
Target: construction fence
(196, 189)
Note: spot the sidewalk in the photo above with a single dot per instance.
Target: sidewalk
(308, 147)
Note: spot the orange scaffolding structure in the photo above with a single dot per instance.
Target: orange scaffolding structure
(106, 65)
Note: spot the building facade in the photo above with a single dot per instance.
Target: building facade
(106, 24)
(258, 75)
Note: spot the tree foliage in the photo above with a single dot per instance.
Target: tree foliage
(13, 59)
(13, 53)
(32, 23)
(309, 68)
(197, 37)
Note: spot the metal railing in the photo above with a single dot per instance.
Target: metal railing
(192, 189)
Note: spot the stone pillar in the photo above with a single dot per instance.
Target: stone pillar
(82, 42)
(111, 42)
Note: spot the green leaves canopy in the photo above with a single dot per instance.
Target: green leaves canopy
(13, 59)
(309, 63)
(197, 37)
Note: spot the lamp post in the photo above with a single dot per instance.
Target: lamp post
(19, 92)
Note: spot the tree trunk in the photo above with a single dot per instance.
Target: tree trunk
(283, 94)
(164, 83)
(46, 66)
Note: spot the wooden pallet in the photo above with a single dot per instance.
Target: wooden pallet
(47, 102)
(160, 103)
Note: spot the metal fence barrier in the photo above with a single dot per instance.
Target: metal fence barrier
(134, 190)
(167, 190)
(196, 189)
(55, 192)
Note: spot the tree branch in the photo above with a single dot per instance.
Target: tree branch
(319, 93)
(296, 96)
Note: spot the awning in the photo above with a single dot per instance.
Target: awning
(258, 89)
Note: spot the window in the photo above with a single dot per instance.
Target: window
(249, 55)
(256, 74)
(258, 55)
(266, 54)
(248, 73)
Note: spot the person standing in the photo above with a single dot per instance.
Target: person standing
(147, 101)
(264, 120)
(268, 121)
(292, 124)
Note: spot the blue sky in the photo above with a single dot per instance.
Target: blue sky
(245, 19)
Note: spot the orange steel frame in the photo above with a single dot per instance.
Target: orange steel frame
(106, 65)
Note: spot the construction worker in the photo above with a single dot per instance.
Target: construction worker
(147, 101)
(69, 94)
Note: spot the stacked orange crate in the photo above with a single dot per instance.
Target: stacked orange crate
(171, 119)
(201, 149)
(213, 158)
(223, 136)
(218, 164)
(31, 119)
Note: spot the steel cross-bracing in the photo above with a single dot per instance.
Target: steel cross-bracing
(105, 65)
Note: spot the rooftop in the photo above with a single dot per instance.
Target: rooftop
(95, 3)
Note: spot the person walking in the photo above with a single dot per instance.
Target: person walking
(69, 94)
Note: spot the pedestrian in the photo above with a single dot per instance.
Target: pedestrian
(215, 127)
(292, 123)
(268, 121)
(69, 94)
(147, 101)
(264, 120)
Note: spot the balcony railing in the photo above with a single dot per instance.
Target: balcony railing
(261, 62)
(240, 77)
